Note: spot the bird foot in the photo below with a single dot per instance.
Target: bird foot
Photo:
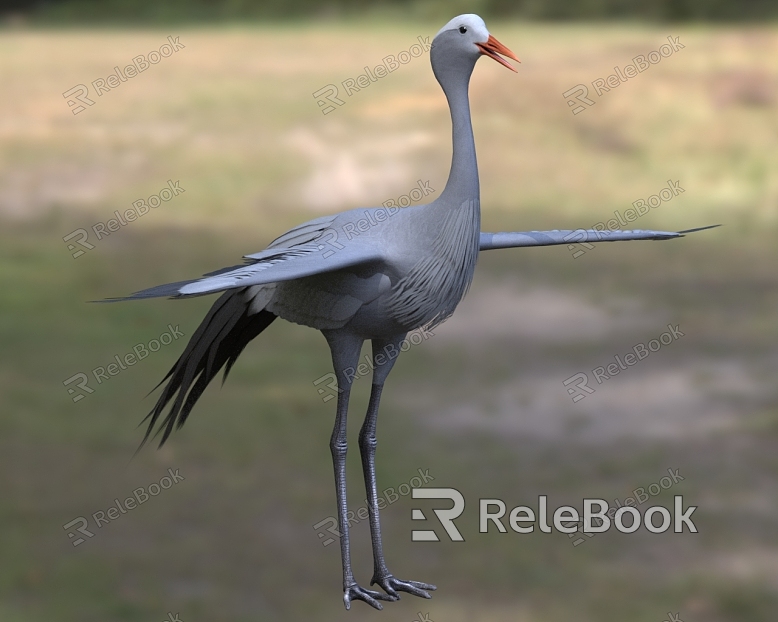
(355, 592)
(391, 586)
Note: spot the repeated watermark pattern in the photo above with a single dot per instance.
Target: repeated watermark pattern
(139, 208)
(576, 384)
(139, 352)
(173, 618)
(372, 217)
(639, 208)
(421, 190)
(387, 497)
(388, 353)
(139, 497)
(639, 498)
(79, 94)
(327, 97)
(578, 96)
(423, 617)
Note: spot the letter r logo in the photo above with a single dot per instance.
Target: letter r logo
(82, 530)
(577, 96)
(583, 389)
(327, 95)
(80, 91)
(81, 385)
(446, 517)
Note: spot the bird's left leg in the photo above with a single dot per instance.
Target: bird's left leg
(385, 352)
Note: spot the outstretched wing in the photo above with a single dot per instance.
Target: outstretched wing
(513, 239)
(312, 248)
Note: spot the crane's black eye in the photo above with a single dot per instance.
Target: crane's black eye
(463, 29)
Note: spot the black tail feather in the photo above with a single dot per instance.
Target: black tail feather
(221, 337)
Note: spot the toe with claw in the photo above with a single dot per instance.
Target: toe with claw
(355, 592)
(392, 585)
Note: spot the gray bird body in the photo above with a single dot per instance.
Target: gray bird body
(426, 262)
(370, 273)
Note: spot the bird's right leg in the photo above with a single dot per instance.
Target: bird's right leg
(345, 357)
(385, 353)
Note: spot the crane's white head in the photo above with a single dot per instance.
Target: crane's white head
(467, 35)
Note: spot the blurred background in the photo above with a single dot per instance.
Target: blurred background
(241, 118)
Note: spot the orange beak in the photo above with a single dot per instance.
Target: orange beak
(493, 48)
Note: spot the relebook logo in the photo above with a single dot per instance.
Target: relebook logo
(522, 518)
(597, 516)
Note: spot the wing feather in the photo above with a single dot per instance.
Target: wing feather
(516, 239)
(282, 264)
(303, 251)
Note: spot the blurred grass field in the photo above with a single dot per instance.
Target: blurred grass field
(481, 405)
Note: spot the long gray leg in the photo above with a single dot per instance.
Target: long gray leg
(385, 353)
(345, 357)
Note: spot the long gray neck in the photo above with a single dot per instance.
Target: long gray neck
(462, 184)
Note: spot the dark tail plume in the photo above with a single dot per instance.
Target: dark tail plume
(219, 340)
